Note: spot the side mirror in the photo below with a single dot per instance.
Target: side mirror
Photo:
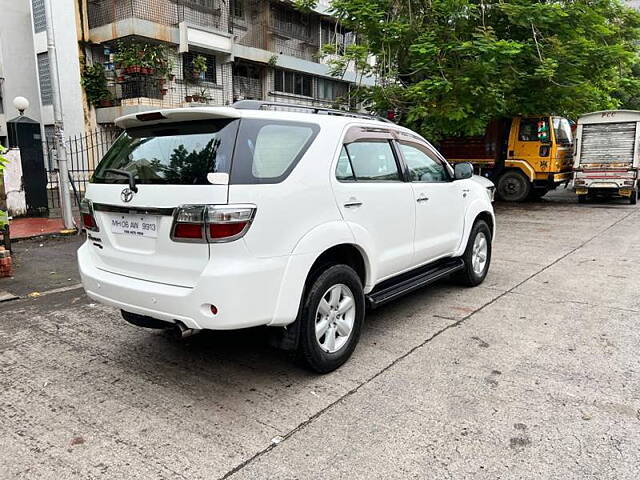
(463, 170)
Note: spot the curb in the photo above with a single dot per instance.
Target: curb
(47, 235)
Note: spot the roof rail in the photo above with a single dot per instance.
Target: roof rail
(260, 105)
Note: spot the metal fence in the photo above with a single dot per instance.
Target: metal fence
(205, 13)
(83, 154)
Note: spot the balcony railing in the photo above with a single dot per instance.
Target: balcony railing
(208, 13)
(162, 93)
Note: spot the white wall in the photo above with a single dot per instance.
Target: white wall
(16, 200)
(17, 59)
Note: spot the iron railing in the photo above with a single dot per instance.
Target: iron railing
(206, 13)
(84, 152)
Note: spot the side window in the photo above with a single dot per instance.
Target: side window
(344, 172)
(276, 148)
(528, 130)
(267, 151)
(373, 161)
(422, 166)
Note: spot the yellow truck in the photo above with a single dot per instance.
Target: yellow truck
(525, 157)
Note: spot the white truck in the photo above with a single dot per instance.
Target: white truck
(606, 158)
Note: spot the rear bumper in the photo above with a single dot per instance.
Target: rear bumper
(605, 182)
(245, 293)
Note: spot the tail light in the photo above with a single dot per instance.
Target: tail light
(87, 216)
(211, 223)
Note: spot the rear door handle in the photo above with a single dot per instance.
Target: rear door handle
(353, 203)
(422, 199)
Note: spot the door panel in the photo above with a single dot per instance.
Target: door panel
(525, 144)
(378, 204)
(439, 202)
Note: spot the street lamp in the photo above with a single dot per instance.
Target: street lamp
(21, 104)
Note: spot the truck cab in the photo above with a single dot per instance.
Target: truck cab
(606, 161)
(524, 156)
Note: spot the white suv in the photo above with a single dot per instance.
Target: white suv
(232, 217)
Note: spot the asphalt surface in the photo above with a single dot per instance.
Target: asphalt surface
(534, 374)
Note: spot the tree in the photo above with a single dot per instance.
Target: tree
(448, 66)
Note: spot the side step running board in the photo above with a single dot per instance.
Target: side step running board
(391, 289)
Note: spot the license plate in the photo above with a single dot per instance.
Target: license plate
(135, 225)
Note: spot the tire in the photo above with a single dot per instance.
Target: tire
(633, 199)
(582, 198)
(513, 186)
(470, 276)
(317, 353)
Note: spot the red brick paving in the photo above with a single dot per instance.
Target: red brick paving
(32, 227)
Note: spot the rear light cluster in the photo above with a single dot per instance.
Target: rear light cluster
(211, 223)
(87, 216)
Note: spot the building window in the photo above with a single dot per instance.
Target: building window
(293, 82)
(337, 36)
(290, 22)
(39, 16)
(44, 77)
(187, 67)
(331, 90)
(238, 9)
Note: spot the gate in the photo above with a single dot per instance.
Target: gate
(84, 152)
(24, 133)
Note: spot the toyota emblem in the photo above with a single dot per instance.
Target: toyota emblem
(126, 195)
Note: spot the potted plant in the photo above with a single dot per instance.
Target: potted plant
(199, 67)
(94, 82)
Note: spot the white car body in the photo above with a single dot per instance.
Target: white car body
(258, 279)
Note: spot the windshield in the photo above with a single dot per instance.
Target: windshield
(562, 130)
(176, 154)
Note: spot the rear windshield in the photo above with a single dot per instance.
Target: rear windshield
(184, 154)
(171, 154)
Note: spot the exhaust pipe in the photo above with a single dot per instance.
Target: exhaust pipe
(181, 331)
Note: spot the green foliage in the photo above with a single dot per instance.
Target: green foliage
(3, 160)
(448, 66)
(146, 55)
(94, 82)
(199, 64)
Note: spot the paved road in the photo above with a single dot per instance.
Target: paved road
(535, 374)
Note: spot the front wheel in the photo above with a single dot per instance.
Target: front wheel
(477, 255)
(331, 319)
(633, 199)
(513, 186)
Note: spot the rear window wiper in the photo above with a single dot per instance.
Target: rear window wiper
(124, 173)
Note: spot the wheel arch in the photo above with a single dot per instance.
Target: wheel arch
(479, 209)
(520, 166)
(344, 253)
(327, 243)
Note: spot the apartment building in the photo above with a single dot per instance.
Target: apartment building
(24, 63)
(210, 52)
(166, 53)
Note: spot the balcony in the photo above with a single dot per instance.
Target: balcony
(139, 92)
(155, 19)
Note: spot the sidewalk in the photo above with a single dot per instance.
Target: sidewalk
(29, 227)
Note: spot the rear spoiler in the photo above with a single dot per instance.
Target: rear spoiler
(172, 115)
